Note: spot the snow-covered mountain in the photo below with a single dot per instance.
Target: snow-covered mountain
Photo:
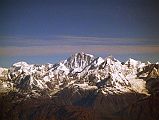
(81, 69)
(81, 84)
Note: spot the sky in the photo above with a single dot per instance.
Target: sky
(47, 31)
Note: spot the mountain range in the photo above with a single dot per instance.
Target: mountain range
(82, 87)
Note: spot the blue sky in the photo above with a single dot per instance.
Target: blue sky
(42, 31)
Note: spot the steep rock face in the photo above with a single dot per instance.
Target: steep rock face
(78, 61)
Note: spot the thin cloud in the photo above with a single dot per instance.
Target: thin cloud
(63, 49)
(75, 40)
